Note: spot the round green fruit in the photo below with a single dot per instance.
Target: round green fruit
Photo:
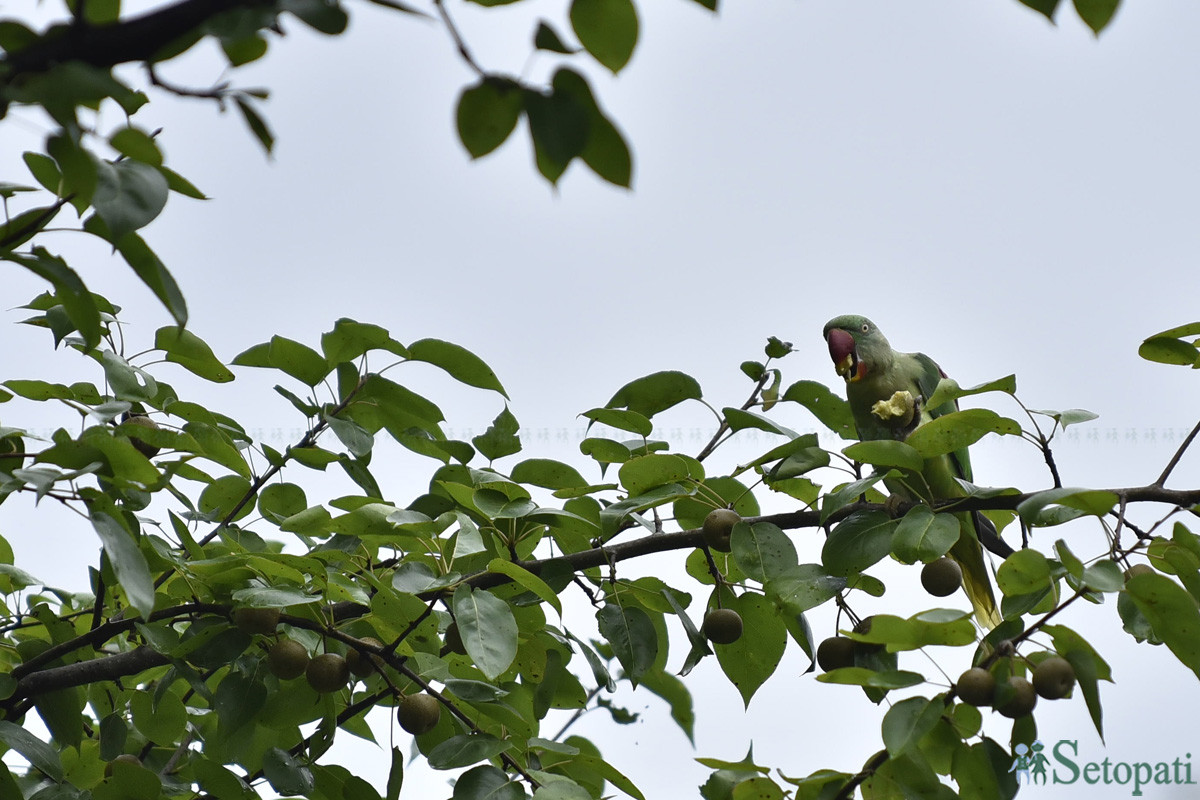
(1138, 569)
(718, 527)
(1021, 700)
(1054, 678)
(363, 664)
(327, 672)
(124, 758)
(836, 652)
(976, 687)
(287, 659)
(418, 713)
(256, 620)
(723, 626)
(142, 421)
(942, 577)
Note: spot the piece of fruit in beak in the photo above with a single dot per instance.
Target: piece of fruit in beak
(841, 350)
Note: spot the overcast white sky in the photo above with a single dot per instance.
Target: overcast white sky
(1003, 194)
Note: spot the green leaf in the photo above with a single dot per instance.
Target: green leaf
(657, 392)
(350, 339)
(128, 562)
(641, 474)
(803, 587)
(290, 357)
(41, 755)
(191, 352)
(631, 633)
(487, 114)
(324, 16)
(488, 629)
(741, 420)
(948, 390)
(500, 439)
(223, 495)
(395, 781)
(676, 693)
(526, 579)
(858, 542)
(861, 676)
(886, 453)
(558, 125)
(621, 420)
(1044, 7)
(460, 363)
(1024, 572)
(152, 272)
(486, 782)
(924, 536)
(1096, 502)
(466, 749)
(546, 38)
(606, 152)
(763, 550)
(940, 626)
(255, 122)
(832, 411)
(608, 29)
(547, 473)
(1172, 613)
(69, 289)
(959, 429)
(136, 144)
(908, 721)
(1096, 13)
(129, 195)
(285, 773)
(752, 659)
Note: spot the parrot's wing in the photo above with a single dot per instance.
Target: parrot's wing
(928, 376)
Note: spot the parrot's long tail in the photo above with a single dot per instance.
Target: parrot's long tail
(977, 583)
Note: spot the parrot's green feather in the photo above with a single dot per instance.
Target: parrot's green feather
(878, 373)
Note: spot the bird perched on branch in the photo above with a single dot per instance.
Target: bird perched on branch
(887, 393)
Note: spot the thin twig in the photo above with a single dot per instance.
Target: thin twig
(1178, 455)
(458, 40)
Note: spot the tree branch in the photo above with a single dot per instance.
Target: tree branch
(133, 39)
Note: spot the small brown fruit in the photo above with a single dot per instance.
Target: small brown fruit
(942, 577)
(718, 527)
(976, 687)
(418, 713)
(288, 659)
(1054, 678)
(124, 758)
(142, 421)
(362, 664)
(327, 672)
(836, 652)
(256, 620)
(723, 626)
(1138, 569)
(1021, 701)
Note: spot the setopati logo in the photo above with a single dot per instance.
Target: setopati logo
(1033, 766)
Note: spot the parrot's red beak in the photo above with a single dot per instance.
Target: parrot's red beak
(844, 354)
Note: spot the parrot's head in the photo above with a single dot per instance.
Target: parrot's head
(855, 345)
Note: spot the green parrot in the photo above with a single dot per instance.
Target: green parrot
(887, 391)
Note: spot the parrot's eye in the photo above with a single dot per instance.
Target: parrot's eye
(865, 327)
